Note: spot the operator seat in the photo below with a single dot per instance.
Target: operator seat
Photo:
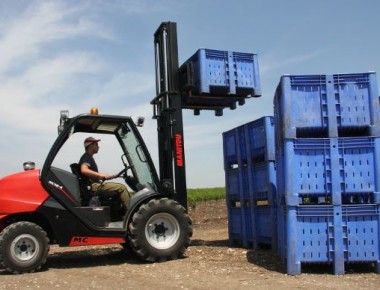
(84, 185)
(90, 198)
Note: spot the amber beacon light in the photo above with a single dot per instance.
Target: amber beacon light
(94, 111)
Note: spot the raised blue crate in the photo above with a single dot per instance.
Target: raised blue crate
(252, 141)
(338, 105)
(329, 170)
(328, 234)
(221, 73)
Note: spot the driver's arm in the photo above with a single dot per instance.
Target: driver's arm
(85, 170)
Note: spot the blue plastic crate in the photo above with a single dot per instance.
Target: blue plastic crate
(251, 194)
(251, 142)
(240, 228)
(339, 105)
(255, 183)
(261, 139)
(328, 234)
(361, 232)
(232, 184)
(329, 170)
(263, 183)
(265, 226)
(237, 184)
(221, 73)
(235, 147)
(308, 234)
(252, 226)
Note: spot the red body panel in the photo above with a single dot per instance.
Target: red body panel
(86, 241)
(21, 192)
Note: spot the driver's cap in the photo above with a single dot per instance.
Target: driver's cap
(89, 141)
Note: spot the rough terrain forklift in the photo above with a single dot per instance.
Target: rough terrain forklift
(50, 206)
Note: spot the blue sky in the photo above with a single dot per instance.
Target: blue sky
(77, 54)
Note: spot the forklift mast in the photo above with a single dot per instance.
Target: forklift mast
(167, 110)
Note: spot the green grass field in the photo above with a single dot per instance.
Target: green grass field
(204, 194)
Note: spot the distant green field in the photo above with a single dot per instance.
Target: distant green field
(204, 194)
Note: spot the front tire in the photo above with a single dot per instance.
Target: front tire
(160, 230)
(24, 247)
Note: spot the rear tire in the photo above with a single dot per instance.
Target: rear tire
(24, 247)
(160, 230)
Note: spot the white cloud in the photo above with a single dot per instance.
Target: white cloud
(31, 74)
(23, 37)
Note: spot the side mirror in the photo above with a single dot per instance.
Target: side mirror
(64, 117)
(140, 121)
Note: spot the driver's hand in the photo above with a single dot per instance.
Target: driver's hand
(104, 176)
(113, 176)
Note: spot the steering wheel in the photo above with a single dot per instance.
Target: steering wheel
(123, 172)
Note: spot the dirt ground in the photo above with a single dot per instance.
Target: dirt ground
(210, 264)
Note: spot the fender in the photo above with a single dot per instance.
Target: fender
(21, 192)
(138, 198)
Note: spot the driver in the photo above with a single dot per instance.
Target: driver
(89, 168)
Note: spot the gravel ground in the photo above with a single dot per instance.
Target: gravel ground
(210, 264)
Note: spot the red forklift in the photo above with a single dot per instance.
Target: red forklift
(39, 208)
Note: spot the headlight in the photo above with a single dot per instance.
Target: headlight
(29, 165)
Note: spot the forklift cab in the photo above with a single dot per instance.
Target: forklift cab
(61, 178)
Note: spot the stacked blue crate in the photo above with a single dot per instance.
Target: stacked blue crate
(250, 173)
(239, 219)
(329, 170)
(329, 106)
(328, 159)
(329, 234)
